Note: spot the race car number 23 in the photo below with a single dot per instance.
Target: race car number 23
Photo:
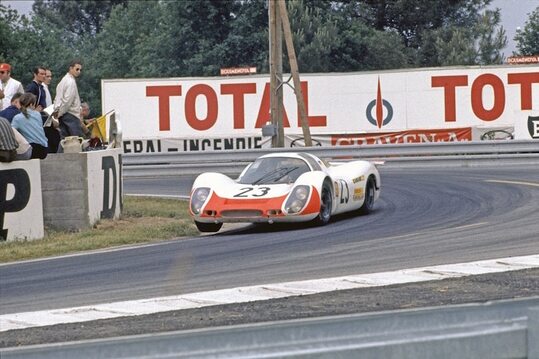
(252, 192)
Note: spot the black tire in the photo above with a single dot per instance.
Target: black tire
(208, 227)
(326, 203)
(368, 204)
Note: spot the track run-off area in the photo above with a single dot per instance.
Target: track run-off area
(428, 217)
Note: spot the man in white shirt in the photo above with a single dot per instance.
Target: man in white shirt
(46, 84)
(67, 102)
(8, 86)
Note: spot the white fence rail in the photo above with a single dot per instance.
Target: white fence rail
(404, 155)
(504, 329)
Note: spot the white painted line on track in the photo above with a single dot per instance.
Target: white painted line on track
(226, 227)
(94, 251)
(261, 292)
(532, 184)
(169, 196)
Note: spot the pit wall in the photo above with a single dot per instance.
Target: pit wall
(70, 191)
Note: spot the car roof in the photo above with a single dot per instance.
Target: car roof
(299, 155)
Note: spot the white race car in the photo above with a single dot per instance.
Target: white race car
(284, 187)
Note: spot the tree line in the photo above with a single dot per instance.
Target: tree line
(145, 39)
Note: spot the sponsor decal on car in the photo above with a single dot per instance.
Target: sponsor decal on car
(358, 194)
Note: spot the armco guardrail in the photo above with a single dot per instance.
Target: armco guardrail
(402, 155)
(504, 329)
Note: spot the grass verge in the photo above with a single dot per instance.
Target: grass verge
(143, 220)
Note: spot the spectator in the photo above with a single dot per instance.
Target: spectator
(8, 142)
(30, 125)
(85, 112)
(46, 84)
(84, 120)
(52, 133)
(8, 86)
(12, 110)
(67, 102)
(24, 151)
(36, 87)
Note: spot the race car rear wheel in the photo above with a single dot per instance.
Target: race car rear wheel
(368, 204)
(208, 227)
(326, 202)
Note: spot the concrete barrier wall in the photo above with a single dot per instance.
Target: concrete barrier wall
(21, 205)
(79, 189)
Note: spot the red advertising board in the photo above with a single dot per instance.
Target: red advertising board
(409, 136)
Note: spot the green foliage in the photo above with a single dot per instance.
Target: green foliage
(528, 38)
(78, 18)
(443, 32)
(8, 17)
(490, 38)
(480, 44)
(330, 37)
(314, 36)
(247, 41)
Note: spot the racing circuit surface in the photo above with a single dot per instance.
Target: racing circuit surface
(424, 217)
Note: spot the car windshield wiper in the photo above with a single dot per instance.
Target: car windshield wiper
(278, 174)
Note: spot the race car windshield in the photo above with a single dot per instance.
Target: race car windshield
(271, 170)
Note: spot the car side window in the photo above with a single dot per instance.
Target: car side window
(314, 165)
(301, 169)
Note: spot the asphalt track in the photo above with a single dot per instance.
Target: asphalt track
(424, 217)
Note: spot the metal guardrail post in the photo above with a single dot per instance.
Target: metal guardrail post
(533, 333)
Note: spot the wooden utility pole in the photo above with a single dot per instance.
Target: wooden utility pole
(295, 72)
(279, 24)
(276, 73)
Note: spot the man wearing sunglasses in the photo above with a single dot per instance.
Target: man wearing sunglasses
(67, 102)
(8, 86)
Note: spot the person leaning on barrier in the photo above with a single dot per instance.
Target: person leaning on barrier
(10, 112)
(24, 151)
(30, 125)
(8, 142)
(86, 122)
(67, 102)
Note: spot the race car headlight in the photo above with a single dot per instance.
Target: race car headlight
(199, 196)
(297, 199)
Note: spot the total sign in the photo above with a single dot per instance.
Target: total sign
(441, 98)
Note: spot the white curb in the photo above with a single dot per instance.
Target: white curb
(261, 292)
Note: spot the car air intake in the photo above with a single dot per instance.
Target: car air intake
(242, 213)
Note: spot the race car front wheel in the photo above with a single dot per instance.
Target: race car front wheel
(368, 204)
(326, 202)
(208, 227)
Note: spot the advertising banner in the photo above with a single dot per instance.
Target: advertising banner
(21, 204)
(527, 128)
(337, 103)
(195, 144)
(410, 136)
